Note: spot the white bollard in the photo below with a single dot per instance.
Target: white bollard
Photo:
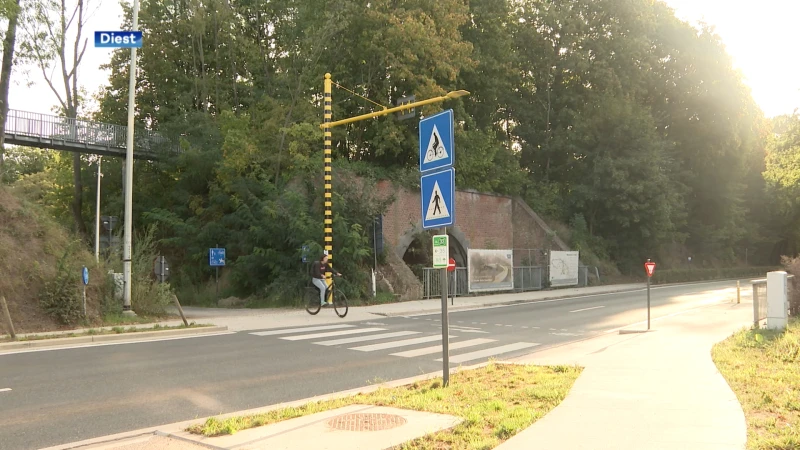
(777, 300)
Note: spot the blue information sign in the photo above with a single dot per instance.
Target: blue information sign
(118, 39)
(216, 257)
(436, 141)
(438, 195)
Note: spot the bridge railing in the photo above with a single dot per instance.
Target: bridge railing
(84, 132)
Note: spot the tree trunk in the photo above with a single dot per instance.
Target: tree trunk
(77, 200)
(5, 79)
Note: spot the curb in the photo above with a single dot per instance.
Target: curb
(506, 303)
(136, 336)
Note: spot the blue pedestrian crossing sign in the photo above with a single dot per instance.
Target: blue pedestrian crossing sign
(438, 194)
(436, 145)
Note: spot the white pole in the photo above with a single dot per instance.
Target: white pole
(97, 213)
(126, 251)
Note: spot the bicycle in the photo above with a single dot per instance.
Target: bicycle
(339, 300)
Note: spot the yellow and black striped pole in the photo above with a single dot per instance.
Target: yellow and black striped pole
(326, 128)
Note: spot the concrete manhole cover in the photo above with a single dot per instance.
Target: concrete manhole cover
(366, 422)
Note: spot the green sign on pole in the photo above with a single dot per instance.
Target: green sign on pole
(441, 251)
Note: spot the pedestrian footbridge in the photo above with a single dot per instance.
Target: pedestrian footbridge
(82, 136)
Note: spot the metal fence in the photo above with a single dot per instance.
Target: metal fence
(525, 279)
(760, 298)
(759, 301)
(528, 278)
(583, 276)
(432, 282)
(84, 132)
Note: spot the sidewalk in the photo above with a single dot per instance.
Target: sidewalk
(656, 390)
(246, 319)
(261, 319)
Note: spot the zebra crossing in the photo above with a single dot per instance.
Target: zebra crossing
(403, 344)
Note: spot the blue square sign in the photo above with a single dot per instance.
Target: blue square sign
(436, 141)
(216, 257)
(438, 190)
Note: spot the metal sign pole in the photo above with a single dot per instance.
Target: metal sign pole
(445, 326)
(648, 302)
(455, 286)
(649, 269)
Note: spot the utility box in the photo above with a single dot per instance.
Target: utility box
(777, 300)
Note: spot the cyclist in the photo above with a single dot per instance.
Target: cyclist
(318, 271)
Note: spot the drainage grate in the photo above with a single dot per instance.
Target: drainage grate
(366, 422)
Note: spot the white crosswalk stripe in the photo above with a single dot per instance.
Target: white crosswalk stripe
(490, 352)
(300, 330)
(438, 348)
(346, 335)
(373, 337)
(331, 334)
(395, 344)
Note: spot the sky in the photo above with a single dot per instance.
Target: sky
(758, 35)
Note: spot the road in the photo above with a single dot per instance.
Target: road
(59, 396)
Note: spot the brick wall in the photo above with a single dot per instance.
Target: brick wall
(482, 221)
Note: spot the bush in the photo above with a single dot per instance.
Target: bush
(792, 266)
(60, 297)
(687, 275)
(148, 296)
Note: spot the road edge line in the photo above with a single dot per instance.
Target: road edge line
(143, 336)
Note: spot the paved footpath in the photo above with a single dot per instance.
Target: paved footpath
(656, 391)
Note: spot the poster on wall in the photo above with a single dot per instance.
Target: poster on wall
(564, 268)
(490, 270)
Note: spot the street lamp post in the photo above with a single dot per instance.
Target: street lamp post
(97, 213)
(126, 249)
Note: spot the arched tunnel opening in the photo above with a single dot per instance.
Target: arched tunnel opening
(419, 254)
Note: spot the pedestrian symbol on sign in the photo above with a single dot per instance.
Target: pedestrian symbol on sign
(437, 208)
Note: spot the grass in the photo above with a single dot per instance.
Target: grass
(763, 369)
(496, 402)
(120, 319)
(101, 331)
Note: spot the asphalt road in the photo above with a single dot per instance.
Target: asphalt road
(66, 395)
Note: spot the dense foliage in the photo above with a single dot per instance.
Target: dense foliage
(612, 116)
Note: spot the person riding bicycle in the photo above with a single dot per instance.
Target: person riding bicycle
(318, 271)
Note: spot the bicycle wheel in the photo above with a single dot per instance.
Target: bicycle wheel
(430, 155)
(340, 303)
(312, 301)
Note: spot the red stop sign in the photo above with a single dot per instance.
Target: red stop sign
(451, 265)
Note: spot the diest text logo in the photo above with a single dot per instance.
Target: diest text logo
(118, 39)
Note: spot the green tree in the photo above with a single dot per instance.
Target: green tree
(49, 44)
(9, 10)
(782, 176)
